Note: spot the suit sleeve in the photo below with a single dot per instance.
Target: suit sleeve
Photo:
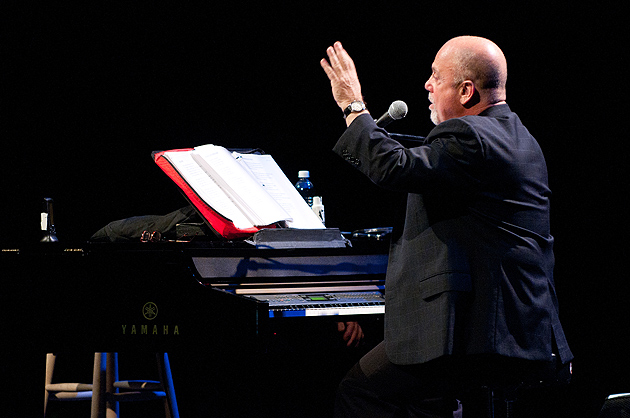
(449, 159)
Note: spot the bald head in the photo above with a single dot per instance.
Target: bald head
(479, 60)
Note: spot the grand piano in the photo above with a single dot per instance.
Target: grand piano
(164, 296)
(218, 308)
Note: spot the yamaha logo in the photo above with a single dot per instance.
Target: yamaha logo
(149, 311)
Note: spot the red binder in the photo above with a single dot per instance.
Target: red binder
(219, 224)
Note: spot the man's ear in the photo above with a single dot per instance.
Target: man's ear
(468, 94)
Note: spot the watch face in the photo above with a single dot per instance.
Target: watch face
(357, 106)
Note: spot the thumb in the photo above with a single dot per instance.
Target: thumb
(341, 326)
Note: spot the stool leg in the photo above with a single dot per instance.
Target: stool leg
(164, 368)
(509, 411)
(98, 386)
(111, 377)
(50, 369)
(490, 403)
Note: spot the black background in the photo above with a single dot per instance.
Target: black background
(88, 91)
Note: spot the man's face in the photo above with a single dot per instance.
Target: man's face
(443, 94)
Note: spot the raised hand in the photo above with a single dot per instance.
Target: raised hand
(343, 77)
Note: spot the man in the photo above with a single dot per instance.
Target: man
(470, 277)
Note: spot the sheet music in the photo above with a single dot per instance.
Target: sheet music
(255, 203)
(269, 175)
(206, 187)
(248, 189)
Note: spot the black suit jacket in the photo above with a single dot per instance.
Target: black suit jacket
(472, 270)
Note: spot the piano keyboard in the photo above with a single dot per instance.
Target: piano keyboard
(323, 304)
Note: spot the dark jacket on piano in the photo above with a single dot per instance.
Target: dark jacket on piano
(472, 270)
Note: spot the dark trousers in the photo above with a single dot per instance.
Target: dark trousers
(375, 387)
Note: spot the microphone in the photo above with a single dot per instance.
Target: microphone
(397, 110)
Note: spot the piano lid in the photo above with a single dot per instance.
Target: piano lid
(290, 265)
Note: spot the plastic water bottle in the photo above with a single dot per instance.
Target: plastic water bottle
(305, 187)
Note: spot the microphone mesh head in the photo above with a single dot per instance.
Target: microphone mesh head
(398, 109)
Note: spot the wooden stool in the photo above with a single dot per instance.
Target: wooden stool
(106, 391)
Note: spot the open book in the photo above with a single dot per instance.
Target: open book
(247, 191)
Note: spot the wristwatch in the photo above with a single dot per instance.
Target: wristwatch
(354, 107)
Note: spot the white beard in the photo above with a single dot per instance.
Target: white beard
(434, 117)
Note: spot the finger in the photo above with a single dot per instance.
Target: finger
(333, 57)
(349, 331)
(343, 57)
(356, 337)
(353, 334)
(327, 69)
(352, 341)
(359, 335)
